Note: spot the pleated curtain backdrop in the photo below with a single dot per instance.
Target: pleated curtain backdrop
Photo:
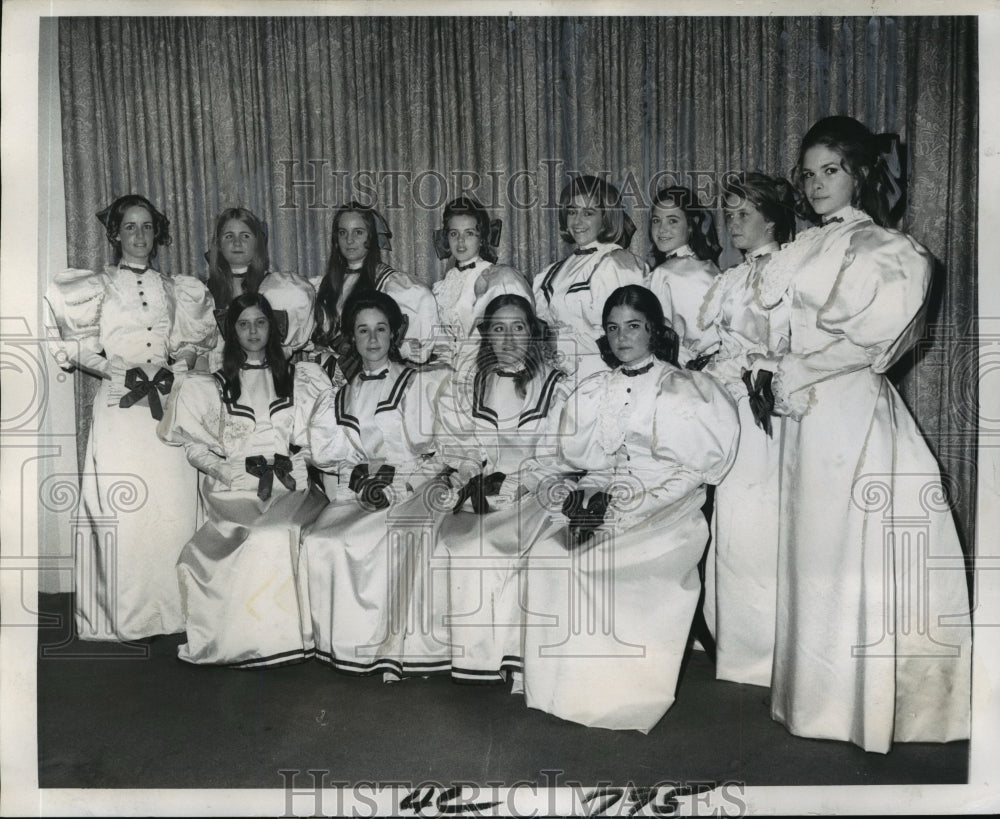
(280, 114)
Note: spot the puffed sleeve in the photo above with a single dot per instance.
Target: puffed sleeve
(590, 432)
(193, 329)
(330, 446)
(499, 280)
(682, 289)
(192, 418)
(311, 384)
(417, 408)
(297, 298)
(418, 304)
(454, 436)
(873, 314)
(617, 269)
(696, 432)
(74, 300)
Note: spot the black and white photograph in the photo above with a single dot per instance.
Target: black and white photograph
(499, 409)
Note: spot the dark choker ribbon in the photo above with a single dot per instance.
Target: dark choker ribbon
(640, 371)
(137, 270)
(379, 376)
(258, 466)
(248, 366)
(468, 266)
(584, 251)
(833, 221)
(140, 386)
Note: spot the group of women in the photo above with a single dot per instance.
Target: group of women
(506, 480)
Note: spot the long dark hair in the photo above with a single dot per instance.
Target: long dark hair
(663, 341)
(111, 217)
(467, 206)
(336, 269)
(233, 356)
(538, 347)
(220, 273)
(386, 305)
(703, 239)
(772, 196)
(862, 157)
(616, 226)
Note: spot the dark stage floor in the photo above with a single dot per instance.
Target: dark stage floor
(109, 720)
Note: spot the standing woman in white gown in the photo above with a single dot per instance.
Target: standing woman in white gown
(685, 251)
(871, 647)
(238, 427)
(470, 237)
(358, 236)
(741, 573)
(239, 262)
(361, 560)
(613, 583)
(134, 327)
(570, 293)
(492, 418)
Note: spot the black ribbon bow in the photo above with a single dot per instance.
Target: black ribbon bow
(370, 489)
(141, 386)
(699, 362)
(478, 487)
(584, 519)
(761, 398)
(584, 251)
(258, 466)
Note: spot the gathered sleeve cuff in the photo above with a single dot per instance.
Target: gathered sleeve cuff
(193, 330)
(297, 298)
(330, 447)
(418, 304)
(192, 418)
(696, 432)
(311, 383)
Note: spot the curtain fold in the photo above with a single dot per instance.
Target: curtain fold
(294, 116)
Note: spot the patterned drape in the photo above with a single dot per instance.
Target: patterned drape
(292, 116)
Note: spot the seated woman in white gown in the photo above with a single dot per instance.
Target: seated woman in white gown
(492, 417)
(470, 237)
(614, 578)
(238, 427)
(364, 556)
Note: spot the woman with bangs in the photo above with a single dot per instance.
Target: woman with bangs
(612, 579)
(570, 294)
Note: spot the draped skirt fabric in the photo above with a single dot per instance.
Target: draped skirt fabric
(481, 561)
(606, 626)
(241, 599)
(139, 501)
(370, 588)
(873, 640)
(742, 566)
